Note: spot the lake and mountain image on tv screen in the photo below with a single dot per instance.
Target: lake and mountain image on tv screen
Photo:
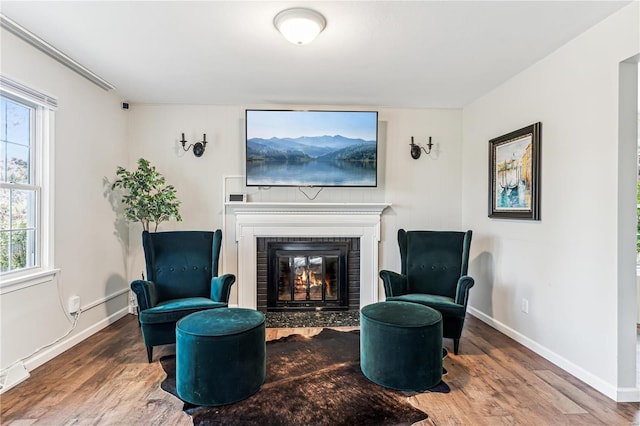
(311, 148)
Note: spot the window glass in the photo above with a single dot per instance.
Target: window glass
(19, 193)
(17, 163)
(17, 123)
(3, 161)
(23, 209)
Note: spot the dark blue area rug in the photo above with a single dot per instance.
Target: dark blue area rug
(310, 381)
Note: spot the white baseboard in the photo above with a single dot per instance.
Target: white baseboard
(56, 350)
(20, 372)
(616, 394)
(628, 395)
(13, 376)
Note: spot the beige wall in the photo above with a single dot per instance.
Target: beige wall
(576, 266)
(90, 140)
(425, 193)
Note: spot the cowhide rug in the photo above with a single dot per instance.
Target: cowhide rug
(310, 381)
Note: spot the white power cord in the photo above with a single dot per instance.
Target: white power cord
(76, 316)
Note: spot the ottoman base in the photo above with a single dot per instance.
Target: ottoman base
(401, 345)
(220, 356)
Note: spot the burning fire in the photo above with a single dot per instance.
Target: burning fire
(301, 280)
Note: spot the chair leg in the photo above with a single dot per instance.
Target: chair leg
(456, 345)
(149, 353)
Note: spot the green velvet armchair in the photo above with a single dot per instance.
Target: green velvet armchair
(434, 273)
(182, 278)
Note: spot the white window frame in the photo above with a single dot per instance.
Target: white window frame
(42, 157)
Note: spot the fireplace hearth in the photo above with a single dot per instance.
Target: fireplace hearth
(302, 319)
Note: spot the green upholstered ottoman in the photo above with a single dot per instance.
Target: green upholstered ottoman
(401, 345)
(220, 355)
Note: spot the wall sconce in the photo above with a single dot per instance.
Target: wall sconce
(415, 149)
(198, 147)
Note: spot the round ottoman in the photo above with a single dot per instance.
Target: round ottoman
(401, 345)
(220, 355)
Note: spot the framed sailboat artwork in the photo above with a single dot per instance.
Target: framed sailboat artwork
(514, 174)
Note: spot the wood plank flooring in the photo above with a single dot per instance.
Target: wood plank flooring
(106, 380)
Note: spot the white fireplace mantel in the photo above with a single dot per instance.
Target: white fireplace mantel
(359, 220)
(306, 208)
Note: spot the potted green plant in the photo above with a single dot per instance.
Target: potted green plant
(148, 198)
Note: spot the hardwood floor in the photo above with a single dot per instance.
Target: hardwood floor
(106, 380)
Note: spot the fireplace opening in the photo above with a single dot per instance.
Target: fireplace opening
(307, 276)
(347, 249)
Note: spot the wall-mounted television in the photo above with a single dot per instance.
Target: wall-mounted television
(311, 148)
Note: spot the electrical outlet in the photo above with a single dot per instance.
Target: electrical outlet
(73, 304)
(525, 306)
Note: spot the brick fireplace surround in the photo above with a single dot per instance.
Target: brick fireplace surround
(356, 220)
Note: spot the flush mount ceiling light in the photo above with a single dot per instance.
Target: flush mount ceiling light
(299, 25)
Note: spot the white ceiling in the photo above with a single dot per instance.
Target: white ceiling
(372, 53)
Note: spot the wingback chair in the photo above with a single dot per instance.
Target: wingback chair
(182, 278)
(434, 273)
